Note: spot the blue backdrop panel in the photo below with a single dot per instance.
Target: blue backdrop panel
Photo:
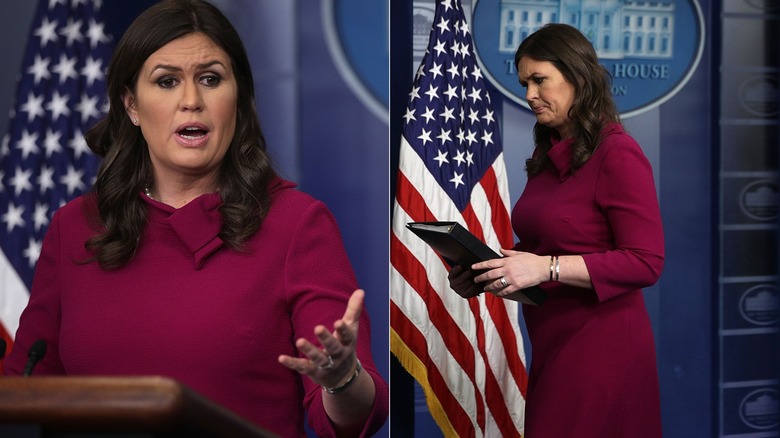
(344, 162)
(748, 300)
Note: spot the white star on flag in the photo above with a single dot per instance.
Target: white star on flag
(66, 56)
(467, 355)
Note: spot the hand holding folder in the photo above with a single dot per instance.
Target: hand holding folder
(458, 246)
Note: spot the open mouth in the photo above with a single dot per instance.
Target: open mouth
(193, 132)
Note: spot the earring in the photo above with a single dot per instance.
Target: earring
(134, 120)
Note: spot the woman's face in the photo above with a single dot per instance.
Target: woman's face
(548, 93)
(185, 103)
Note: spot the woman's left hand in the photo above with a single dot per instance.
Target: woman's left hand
(334, 363)
(516, 270)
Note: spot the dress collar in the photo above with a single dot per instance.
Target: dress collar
(560, 152)
(196, 224)
(560, 155)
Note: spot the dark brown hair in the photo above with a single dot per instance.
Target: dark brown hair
(126, 168)
(574, 56)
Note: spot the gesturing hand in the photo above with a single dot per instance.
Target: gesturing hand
(334, 363)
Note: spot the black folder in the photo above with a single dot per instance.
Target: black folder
(458, 246)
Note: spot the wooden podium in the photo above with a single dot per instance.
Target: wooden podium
(32, 407)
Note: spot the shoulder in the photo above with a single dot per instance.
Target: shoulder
(615, 138)
(286, 196)
(294, 208)
(619, 148)
(621, 159)
(297, 219)
(76, 220)
(80, 209)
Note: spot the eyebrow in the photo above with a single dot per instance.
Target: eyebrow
(201, 66)
(535, 75)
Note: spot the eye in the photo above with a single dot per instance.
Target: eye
(167, 82)
(210, 80)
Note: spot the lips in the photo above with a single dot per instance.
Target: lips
(192, 134)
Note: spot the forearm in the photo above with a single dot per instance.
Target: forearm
(349, 409)
(570, 270)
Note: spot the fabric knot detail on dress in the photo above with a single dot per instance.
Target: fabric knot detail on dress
(197, 225)
(560, 155)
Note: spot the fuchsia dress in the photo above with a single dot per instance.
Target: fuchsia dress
(593, 369)
(189, 308)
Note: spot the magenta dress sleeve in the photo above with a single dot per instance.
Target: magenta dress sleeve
(320, 281)
(41, 317)
(625, 192)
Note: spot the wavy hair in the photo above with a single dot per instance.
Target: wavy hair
(126, 168)
(593, 107)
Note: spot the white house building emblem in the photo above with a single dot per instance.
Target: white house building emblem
(651, 48)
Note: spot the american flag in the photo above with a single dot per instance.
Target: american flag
(467, 355)
(44, 160)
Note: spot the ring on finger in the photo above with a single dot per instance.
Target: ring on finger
(329, 365)
(503, 282)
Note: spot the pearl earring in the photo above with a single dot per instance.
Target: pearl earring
(134, 120)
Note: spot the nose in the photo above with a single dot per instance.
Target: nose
(530, 93)
(191, 99)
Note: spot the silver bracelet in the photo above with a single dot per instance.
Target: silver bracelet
(552, 267)
(347, 384)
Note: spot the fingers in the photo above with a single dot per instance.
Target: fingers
(456, 271)
(462, 282)
(302, 366)
(354, 306)
(345, 330)
(336, 350)
(325, 366)
(499, 285)
(342, 339)
(461, 278)
(470, 292)
(314, 358)
(493, 263)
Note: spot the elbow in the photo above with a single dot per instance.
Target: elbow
(654, 266)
